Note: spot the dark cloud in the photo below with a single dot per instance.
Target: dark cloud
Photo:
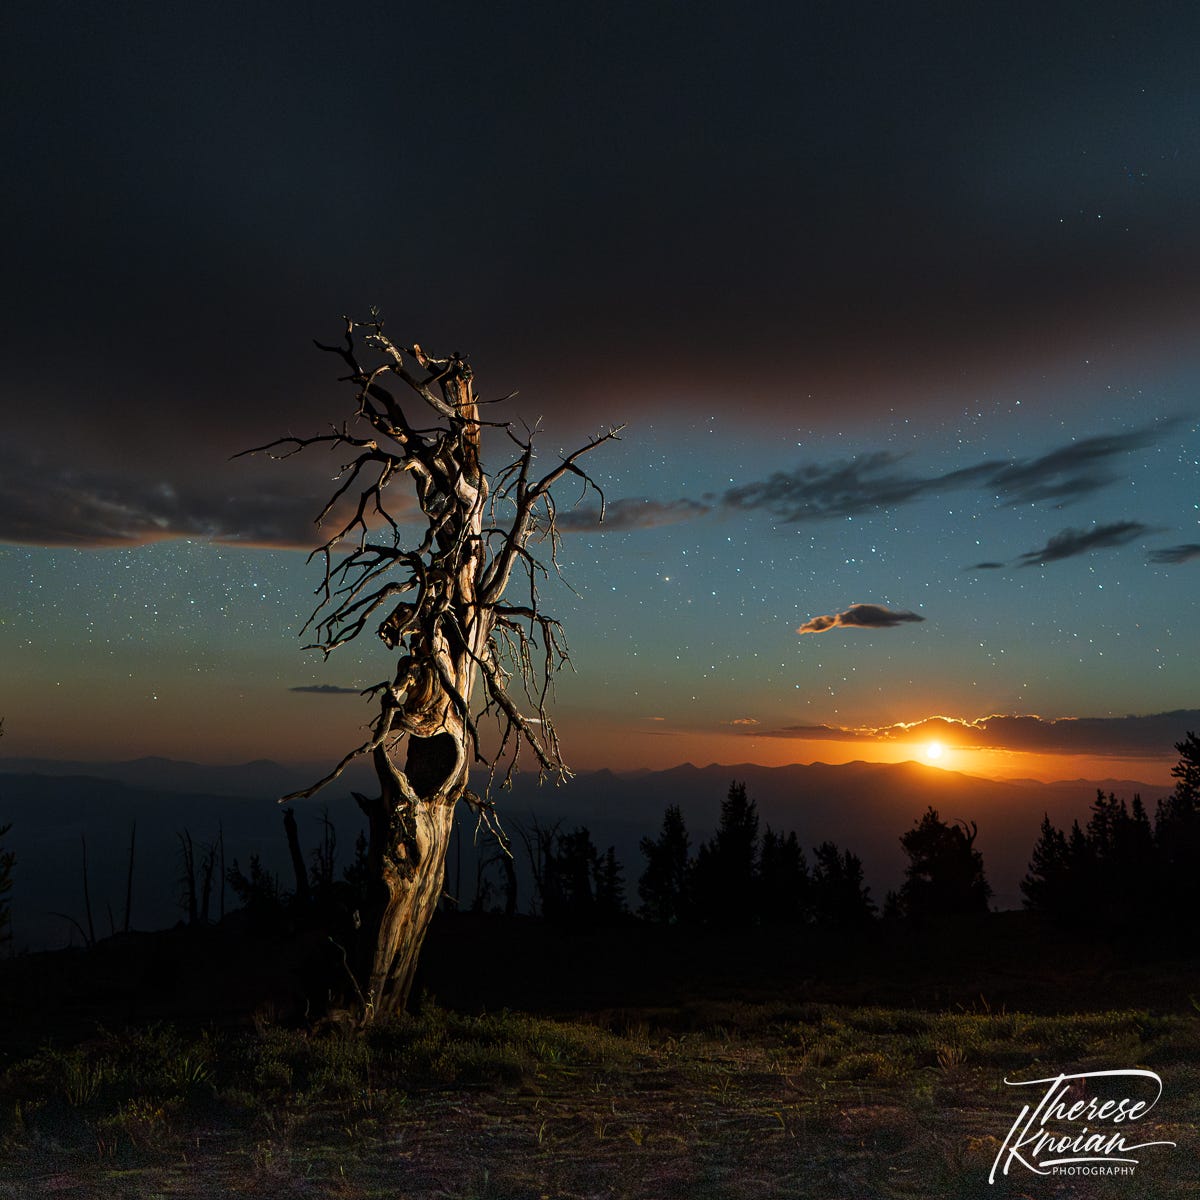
(872, 482)
(1074, 470)
(252, 503)
(630, 513)
(921, 730)
(49, 505)
(939, 242)
(1172, 555)
(327, 689)
(858, 485)
(45, 504)
(859, 616)
(1072, 542)
(985, 566)
(1150, 736)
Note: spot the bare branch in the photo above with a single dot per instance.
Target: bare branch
(465, 656)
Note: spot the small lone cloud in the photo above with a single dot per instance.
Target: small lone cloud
(860, 616)
(985, 566)
(743, 721)
(1173, 555)
(326, 689)
(1072, 542)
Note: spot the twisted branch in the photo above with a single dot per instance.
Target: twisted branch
(445, 611)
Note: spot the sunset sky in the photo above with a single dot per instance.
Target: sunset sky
(898, 304)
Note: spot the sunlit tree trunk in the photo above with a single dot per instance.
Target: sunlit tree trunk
(440, 603)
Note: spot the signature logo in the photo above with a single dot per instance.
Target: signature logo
(1082, 1125)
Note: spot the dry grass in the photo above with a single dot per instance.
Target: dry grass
(711, 1102)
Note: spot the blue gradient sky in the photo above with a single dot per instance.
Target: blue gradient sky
(881, 296)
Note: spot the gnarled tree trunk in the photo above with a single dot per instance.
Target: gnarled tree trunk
(405, 888)
(441, 604)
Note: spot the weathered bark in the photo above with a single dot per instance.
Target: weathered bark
(407, 889)
(441, 605)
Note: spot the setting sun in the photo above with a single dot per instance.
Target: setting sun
(933, 751)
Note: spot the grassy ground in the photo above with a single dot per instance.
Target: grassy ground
(708, 1100)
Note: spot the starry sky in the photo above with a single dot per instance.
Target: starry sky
(898, 305)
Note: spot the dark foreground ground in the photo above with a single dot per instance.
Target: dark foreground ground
(616, 1063)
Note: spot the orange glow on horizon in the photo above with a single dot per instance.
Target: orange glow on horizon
(253, 722)
(605, 742)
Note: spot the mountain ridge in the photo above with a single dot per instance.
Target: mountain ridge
(863, 807)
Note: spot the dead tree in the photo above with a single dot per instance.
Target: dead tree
(87, 895)
(299, 871)
(129, 876)
(187, 881)
(469, 659)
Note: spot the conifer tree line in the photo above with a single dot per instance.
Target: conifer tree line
(574, 883)
(1121, 871)
(739, 878)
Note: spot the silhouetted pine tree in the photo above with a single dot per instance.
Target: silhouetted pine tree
(1124, 889)
(609, 886)
(579, 887)
(738, 879)
(1047, 885)
(1119, 875)
(944, 876)
(261, 895)
(574, 866)
(723, 876)
(663, 886)
(1186, 772)
(840, 898)
(1177, 832)
(783, 882)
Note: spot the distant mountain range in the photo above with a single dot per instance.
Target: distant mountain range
(863, 807)
(259, 778)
